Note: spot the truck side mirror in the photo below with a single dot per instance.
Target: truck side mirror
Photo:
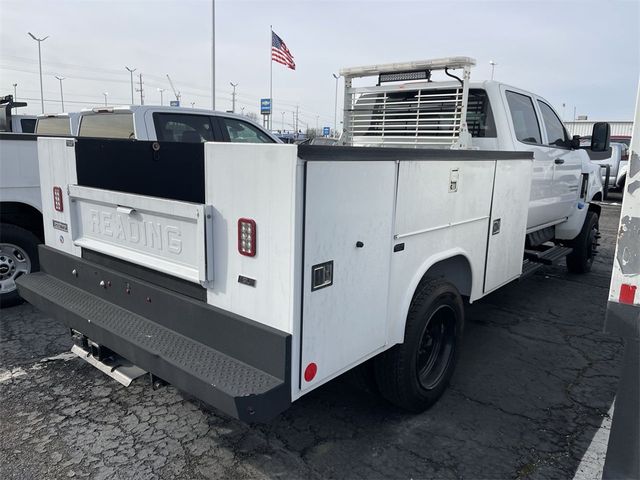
(600, 137)
(575, 142)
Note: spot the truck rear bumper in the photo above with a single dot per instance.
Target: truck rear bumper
(232, 363)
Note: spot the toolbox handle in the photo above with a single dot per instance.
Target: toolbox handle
(125, 210)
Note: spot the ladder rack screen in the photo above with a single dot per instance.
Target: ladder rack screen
(420, 117)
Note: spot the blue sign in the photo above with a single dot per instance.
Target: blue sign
(174, 103)
(265, 106)
(326, 131)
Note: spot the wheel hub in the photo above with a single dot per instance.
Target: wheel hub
(436, 347)
(13, 262)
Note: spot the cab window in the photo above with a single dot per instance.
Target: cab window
(185, 128)
(556, 134)
(243, 132)
(28, 125)
(107, 125)
(523, 115)
(53, 126)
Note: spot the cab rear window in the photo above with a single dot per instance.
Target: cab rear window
(53, 126)
(107, 125)
(28, 125)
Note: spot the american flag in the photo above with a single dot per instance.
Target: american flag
(280, 53)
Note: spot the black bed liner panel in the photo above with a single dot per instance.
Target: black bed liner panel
(170, 170)
(236, 365)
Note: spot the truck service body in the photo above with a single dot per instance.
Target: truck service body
(20, 197)
(250, 274)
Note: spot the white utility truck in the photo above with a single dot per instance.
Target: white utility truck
(20, 207)
(250, 274)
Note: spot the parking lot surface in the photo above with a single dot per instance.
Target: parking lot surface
(530, 399)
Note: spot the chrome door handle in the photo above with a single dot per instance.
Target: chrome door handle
(559, 161)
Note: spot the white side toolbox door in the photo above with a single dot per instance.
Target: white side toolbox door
(347, 250)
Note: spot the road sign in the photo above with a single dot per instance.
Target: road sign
(265, 106)
(174, 103)
(326, 131)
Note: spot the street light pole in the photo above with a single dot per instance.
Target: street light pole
(106, 94)
(213, 54)
(61, 94)
(493, 67)
(317, 117)
(233, 97)
(40, 40)
(131, 70)
(335, 108)
(161, 90)
(282, 113)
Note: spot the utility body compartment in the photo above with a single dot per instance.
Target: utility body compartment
(341, 238)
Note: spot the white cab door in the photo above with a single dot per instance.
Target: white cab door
(527, 134)
(567, 163)
(347, 252)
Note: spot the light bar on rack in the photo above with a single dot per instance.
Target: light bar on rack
(404, 76)
(421, 65)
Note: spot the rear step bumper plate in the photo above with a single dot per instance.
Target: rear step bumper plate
(236, 387)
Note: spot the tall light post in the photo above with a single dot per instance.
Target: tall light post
(317, 117)
(161, 90)
(282, 113)
(233, 97)
(59, 78)
(106, 94)
(335, 108)
(40, 40)
(493, 67)
(131, 70)
(213, 54)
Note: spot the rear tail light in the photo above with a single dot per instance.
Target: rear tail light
(57, 199)
(247, 237)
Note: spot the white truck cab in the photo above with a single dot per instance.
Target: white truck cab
(170, 124)
(409, 108)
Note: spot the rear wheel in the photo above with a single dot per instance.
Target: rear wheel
(18, 256)
(415, 373)
(585, 246)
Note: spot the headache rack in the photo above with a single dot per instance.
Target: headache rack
(420, 113)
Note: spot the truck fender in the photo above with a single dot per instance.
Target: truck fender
(453, 265)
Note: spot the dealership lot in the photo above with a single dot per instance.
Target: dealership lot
(529, 399)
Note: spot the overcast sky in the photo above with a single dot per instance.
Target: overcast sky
(581, 53)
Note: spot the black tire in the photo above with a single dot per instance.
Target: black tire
(415, 373)
(584, 246)
(18, 256)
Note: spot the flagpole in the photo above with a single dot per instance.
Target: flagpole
(270, 75)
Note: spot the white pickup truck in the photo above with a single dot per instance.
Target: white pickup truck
(20, 198)
(250, 274)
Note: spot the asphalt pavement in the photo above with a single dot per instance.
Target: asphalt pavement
(531, 398)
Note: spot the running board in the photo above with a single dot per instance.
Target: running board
(549, 256)
(121, 370)
(534, 260)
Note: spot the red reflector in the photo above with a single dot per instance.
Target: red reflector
(57, 199)
(310, 372)
(247, 237)
(627, 293)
